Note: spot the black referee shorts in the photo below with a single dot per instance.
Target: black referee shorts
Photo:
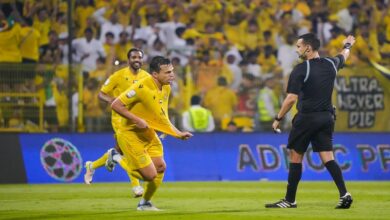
(315, 128)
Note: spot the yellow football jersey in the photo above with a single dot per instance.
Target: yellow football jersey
(118, 82)
(147, 101)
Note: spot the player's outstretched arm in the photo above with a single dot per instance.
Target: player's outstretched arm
(184, 135)
(118, 106)
(348, 43)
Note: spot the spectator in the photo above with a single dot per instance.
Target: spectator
(208, 71)
(83, 11)
(60, 94)
(253, 66)
(60, 25)
(221, 100)
(287, 56)
(100, 73)
(251, 37)
(122, 47)
(268, 62)
(168, 29)
(9, 40)
(158, 49)
(51, 51)
(232, 127)
(93, 111)
(247, 95)
(88, 50)
(43, 86)
(109, 48)
(348, 17)
(235, 69)
(29, 38)
(197, 118)
(179, 47)
(110, 25)
(16, 119)
(151, 32)
(267, 104)
(42, 23)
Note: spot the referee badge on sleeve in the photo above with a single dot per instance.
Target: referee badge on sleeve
(130, 94)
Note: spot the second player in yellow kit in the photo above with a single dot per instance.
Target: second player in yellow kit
(112, 88)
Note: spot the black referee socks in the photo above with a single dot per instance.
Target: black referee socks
(294, 176)
(337, 176)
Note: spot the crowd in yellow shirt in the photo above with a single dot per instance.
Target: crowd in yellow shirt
(252, 31)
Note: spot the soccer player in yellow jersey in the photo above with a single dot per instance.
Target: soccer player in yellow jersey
(144, 108)
(113, 87)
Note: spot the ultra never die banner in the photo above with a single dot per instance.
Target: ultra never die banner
(362, 98)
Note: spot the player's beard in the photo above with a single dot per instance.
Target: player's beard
(136, 65)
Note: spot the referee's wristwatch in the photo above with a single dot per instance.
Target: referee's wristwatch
(347, 46)
(278, 119)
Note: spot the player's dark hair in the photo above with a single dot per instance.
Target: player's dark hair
(312, 40)
(134, 50)
(157, 62)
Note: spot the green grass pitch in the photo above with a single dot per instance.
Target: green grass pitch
(192, 200)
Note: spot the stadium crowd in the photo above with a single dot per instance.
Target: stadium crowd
(235, 54)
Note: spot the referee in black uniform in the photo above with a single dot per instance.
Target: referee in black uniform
(311, 83)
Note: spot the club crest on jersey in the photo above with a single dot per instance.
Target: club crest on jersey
(130, 94)
(106, 82)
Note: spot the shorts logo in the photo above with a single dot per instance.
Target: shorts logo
(61, 160)
(130, 94)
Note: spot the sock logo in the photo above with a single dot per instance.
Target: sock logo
(61, 160)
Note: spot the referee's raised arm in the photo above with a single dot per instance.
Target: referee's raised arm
(348, 43)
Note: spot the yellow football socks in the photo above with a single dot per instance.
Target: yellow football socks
(100, 162)
(151, 187)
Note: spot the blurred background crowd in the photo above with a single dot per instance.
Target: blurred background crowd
(233, 57)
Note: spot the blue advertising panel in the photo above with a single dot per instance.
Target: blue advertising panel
(51, 158)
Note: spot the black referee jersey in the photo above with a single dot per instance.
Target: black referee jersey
(313, 82)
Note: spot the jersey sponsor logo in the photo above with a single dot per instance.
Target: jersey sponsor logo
(130, 94)
(106, 82)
